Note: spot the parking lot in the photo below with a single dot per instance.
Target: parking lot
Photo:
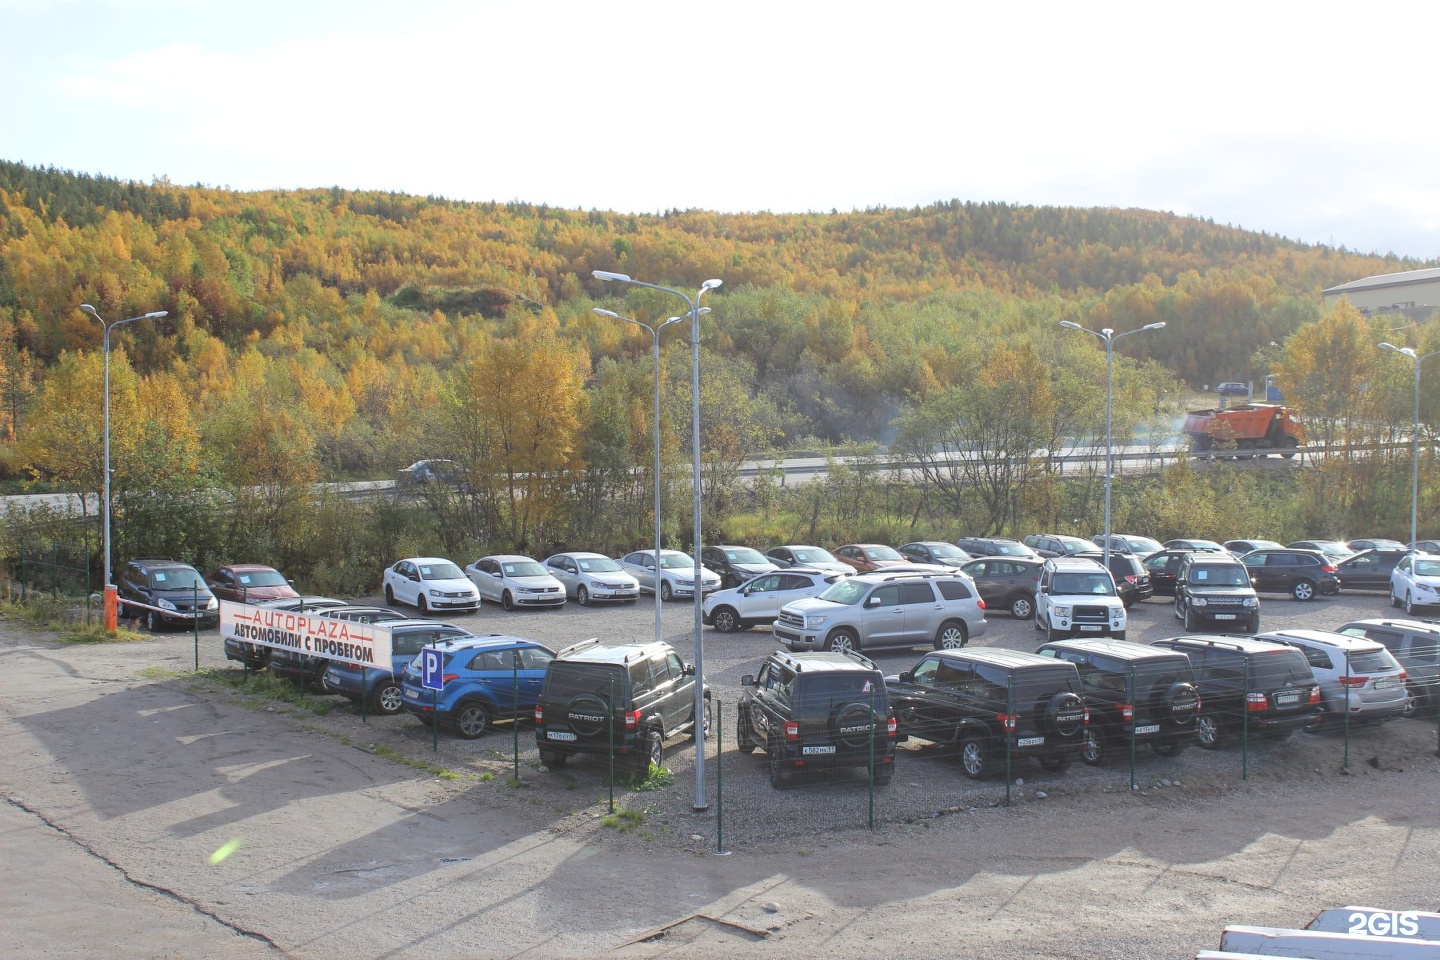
(348, 841)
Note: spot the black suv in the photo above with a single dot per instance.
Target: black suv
(1253, 685)
(1300, 573)
(818, 710)
(1130, 689)
(1416, 644)
(1132, 580)
(1215, 590)
(600, 696)
(979, 700)
(176, 589)
(994, 547)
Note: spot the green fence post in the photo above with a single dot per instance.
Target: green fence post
(1347, 710)
(1245, 725)
(435, 713)
(515, 701)
(871, 766)
(1133, 720)
(195, 620)
(1005, 732)
(610, 753)
(719, 776)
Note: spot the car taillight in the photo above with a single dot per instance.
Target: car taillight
(539, 714)
(792, 730)
(1087, 716)
(982, 604)
(448, 677)
(632, 720)
(1314, 694)
(1127, 712)
(1354, 681)
(1328, 569)
(1255, 701)
(1130, 578)
(1401, 675)
(1007, 720)
(891, 727)
(1198, 704)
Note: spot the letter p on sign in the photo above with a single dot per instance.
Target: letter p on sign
(430, 664)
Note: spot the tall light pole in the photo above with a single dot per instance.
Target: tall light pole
(1416, 359)
(1109, 337)
(694, 304)
(654, 332)
(112, 615)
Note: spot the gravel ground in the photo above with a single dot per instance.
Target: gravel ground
(138, 771)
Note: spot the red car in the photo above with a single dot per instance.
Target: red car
(249, 583)
(869, 557)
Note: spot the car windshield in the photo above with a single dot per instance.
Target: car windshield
(1220, 575)
(260, 578)
(439, 571)
(744, 555)
(176, 578)
(1069, 584)
(1142, 545)
(944, 551)
(597, 565)
(1010, 550)
(1427, 568)
(813, 555)
(882, 553)
(528, 568)
(844, 591)
(677, 561)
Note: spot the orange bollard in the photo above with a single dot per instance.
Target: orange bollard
(112, 608)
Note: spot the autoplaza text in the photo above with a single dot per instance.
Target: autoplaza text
(320, 644)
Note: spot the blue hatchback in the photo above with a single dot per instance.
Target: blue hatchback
(485, 679)
(379, 686)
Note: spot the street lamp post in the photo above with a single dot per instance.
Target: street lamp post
(1416, 359)
(694, 304)
(112, 615)
(654, 332)
(1109, 337)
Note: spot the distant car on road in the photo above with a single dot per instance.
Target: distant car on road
(1232, 388)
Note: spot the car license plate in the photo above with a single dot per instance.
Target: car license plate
(1091, 626)
(1029, 741)
(1287, 698)
(559, 735)
(1148, 728)
(1224, 616)
(1386, 683)
(808, 751)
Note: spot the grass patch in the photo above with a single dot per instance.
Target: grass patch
(96, 633)
(159, 673)
(623, 819)
(656, 778)
(265, 686)
(486, 777)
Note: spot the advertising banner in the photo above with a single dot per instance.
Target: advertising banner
(363, 644)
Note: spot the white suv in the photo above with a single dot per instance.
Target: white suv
(1356, 675)
(886, 609)
(1077, 598)
(759, 599)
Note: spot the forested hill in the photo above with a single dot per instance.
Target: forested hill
(836, 319)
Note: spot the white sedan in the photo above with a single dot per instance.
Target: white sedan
(1415, 582)
(514, 581)
(592, 577)
(430, 583)
(677, 573)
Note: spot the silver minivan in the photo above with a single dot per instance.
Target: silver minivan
(1356, 675)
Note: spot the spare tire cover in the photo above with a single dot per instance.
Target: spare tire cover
(1065, 714)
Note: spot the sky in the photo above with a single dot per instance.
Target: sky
(1315, 121)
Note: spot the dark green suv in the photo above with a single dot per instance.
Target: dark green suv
(1249, 686)
(628, 698)
(818, 710)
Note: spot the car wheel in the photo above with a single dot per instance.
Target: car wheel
(779, 772)
(1179, 610)
(1409, 604)
(974, 759)
(388, 698)
(507, 601)
(1022, 607)
(1092, 747)
(1052, 634)
(654, 755)
(152, 621)
(744, 736)
(421, 604)
(1055, 763)
(1394, 600)
(1168, 748)
(472, 720)
(843, 641)
(582, 596)
(1119, 636)
(665, 591)
(389, 595)
(1207, 731)
(726, 620)
(553, 759)
(1254, 625)
(884, 775)
(1190, 621)
(1303, 590)
(1412, 703)
(704, 719)
(951, 636)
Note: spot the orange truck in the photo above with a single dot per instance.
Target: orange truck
(1243, 431)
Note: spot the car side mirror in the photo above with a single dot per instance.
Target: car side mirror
(872, 601)
(906, 676)
(689, 669)
(495, 574)
(748, 680)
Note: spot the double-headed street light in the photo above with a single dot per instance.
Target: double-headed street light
(1416, 359)
(112, 614)
(1109, 337)
(654, 332)
(694, 304)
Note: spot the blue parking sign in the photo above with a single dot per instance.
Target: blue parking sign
(431, 663)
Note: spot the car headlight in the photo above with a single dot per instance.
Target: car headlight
(1198, 602)
(213, 604)
(164, 604)
(1061, 610)
(816, 619)
(684, 583)
(1251, 602)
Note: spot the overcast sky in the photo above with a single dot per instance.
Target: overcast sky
(1317, 122)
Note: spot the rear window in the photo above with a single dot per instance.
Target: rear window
(564, 680)
(824, 691)
(953, 590)
(1155, 676)
(1279, 668)
(1372, 661)
(1029, 687)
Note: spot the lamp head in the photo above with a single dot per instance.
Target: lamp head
(607, 275)
(1071, 325)
(1154, 326)
(91, 310)
(711, 284)
(607, 313)
(156, 315)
